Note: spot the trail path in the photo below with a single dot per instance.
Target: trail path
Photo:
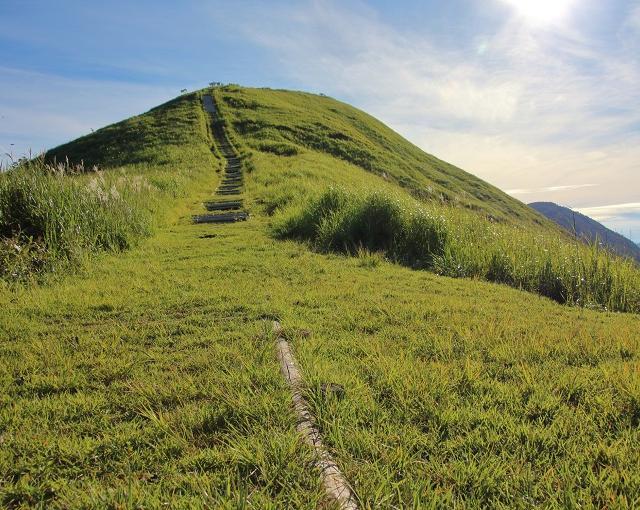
(223, 210)
(335, 485)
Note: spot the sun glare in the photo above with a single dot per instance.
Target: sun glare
(542, 12)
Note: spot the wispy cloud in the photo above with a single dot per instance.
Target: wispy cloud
(606, 212)
(548, 189)
(624, 218)
(526, 108)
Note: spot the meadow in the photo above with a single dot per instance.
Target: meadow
(56, 212)
(149, 379)
(48, 220)
(453, 242)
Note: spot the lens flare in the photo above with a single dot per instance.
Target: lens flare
(542, 12)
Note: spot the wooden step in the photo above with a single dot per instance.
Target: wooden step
(223, 206)
(221, 218)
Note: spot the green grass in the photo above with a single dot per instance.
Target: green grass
(302, 128)
(167, 388)
(102, 192)
(452, 242)
(150, 378)
(169, 146)
(345, 222)
(49, 220)
(156, 389)
(471, 395)
(164, 136)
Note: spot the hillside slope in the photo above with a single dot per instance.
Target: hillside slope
(290, 124)
(588, 228)
(151, 381)
(314, 137)
(149, 138)
(304, 144)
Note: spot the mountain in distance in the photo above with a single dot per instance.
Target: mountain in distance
(588, 228)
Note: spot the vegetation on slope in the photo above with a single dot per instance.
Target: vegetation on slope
(489, 234)
(59, 208)
(48, 219)
(164, 390)
(454, 243)
(303, 127)
(170, 146)
(155, 139)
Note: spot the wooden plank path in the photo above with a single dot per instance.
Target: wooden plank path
(336, 487)
(224, 210)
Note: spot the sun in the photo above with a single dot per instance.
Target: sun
(542, 12)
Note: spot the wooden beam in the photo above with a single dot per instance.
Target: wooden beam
(335, 484)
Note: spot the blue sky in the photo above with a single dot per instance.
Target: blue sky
(539, 97)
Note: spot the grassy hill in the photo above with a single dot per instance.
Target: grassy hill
(149, 378)
(310, 130)
(305, 143)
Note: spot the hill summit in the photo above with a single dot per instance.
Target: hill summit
(319, 130)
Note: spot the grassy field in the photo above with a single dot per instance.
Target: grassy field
(455, 242)
(102, 192)
(150, 378)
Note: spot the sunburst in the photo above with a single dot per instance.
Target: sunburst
(542, 12)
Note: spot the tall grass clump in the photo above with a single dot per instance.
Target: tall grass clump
(553, 265)
(456, 243)
(348, 222)
(51, 216)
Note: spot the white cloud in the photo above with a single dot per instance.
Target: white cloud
(607, 212)
(623, 218)
(39, 111)
(536, 108)
(548, 189)
(466, 99)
